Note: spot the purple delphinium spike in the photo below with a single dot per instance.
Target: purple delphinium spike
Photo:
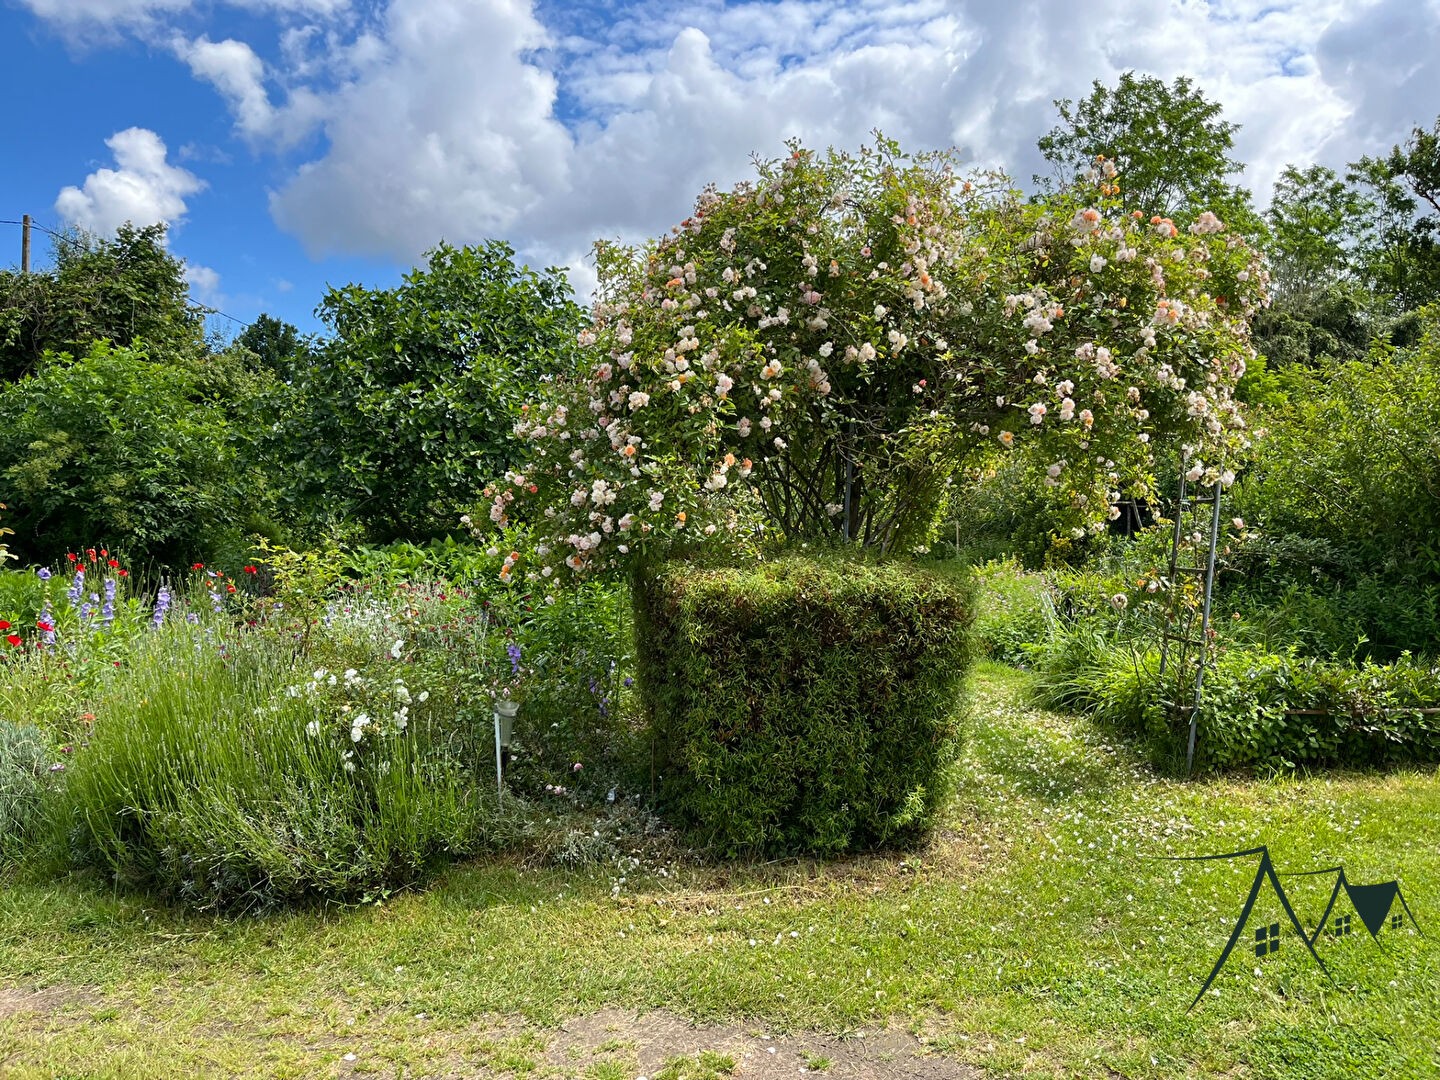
(43, 573)
(107, 613)
(162, 605)
(513, 651)
(77, 589)
(47, 637)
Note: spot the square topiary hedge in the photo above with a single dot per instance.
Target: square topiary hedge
(803, 704)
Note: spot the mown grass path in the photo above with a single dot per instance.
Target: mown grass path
(1030, 937)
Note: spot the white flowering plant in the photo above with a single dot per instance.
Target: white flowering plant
(354, 710)
(818, 352)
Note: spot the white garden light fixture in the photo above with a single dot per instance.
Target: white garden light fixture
(504, 712)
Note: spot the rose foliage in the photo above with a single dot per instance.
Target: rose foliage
(815, 354)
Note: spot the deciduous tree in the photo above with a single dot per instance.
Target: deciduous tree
(123, 290)
(399, 417)
(1171, 146)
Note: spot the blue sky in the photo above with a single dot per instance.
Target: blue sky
(77, 93)
(298, 143)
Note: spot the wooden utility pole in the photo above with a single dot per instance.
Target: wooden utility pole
(25, 243)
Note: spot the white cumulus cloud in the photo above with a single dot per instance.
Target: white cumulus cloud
(204, 282)
(1384, 60)
(551, 125)
(102, 13)
(448, 132)
(473, 119)
(143, 189)
(82, 16)
(239, 75)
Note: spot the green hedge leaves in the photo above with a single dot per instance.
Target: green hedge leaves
(805, 704)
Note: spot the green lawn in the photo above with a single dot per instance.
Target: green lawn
(1030, 937)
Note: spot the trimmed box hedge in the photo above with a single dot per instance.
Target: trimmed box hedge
(803, 704)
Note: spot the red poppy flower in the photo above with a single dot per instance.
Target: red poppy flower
(104, 554)
(43, 625)
(198, 566)
(251, 570)
(70, 555)
(124, 573)
(91, 553)
(13, 639)
(4, 625)
(114, 562)
(229, 588)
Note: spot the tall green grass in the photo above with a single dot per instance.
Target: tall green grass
(23, 760)
(200, 781)
(1264, 711)
(1014, 610)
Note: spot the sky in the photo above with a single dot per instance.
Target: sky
(297, 144)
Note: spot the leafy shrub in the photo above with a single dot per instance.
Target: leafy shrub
(1282, 711)
(5, 555)
(414, 395)
(115, 446)
(581, 706)
(575, 644)
(805, 704)
(1346, 493)
(1273, 711)
(1286, 689)
(463, 562)
(1014, 611)
(126, 289)
(22, 766)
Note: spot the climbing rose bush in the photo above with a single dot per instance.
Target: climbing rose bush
(818, 352)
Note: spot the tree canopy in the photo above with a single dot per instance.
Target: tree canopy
(398, 417)
(1173, 150)
(124, 290)
(275, 344)
(819, 351)
(114, 448)
(1401, 251)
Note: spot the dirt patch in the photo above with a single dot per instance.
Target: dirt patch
(646, 1041)
(612, 1044)
(16, 1002)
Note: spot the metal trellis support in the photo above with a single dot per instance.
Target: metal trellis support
(1181, 641)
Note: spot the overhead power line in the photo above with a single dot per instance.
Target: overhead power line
(194, 305)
